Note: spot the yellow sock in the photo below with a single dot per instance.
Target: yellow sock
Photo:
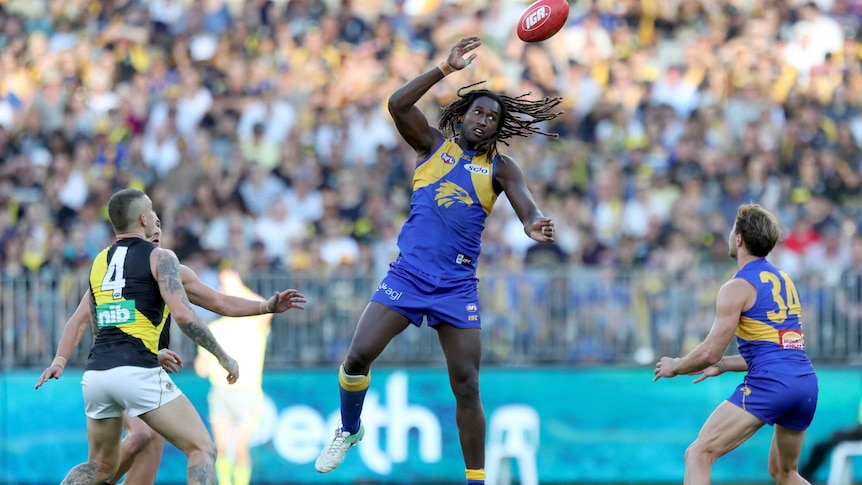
(241, 475)
(224, 470)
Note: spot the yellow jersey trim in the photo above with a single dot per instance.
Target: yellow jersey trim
(755, 330)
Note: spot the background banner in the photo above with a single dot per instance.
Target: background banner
(577, 425)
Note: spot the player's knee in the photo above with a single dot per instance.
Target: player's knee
(782, 471)
(781, 474)
(466, 389)
(208, 448)
(357, 364)
(689, 454)
(696, 452)
(202, 446)
(211, 450)
(139, 440)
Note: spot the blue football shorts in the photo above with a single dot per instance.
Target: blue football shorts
(415, 294)
(785, 400)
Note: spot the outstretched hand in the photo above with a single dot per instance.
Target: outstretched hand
(55, 371)
(542, 230)
(283, 301)
(465, 45)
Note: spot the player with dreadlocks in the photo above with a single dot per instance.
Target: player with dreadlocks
(458, 176)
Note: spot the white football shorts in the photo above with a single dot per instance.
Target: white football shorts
(137, 390)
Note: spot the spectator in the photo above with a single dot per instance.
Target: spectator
(277, 228)
(276, 116)
(367, 129)
(826, 34)
(673, 116)
(676, 90)
(337, 248)
(259, 189)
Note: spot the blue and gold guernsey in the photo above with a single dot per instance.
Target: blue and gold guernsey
(129, 310)
(769, 335)
(453, 194)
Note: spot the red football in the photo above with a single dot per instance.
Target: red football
(542, 19)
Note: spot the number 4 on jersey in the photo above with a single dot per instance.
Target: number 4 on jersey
(113, 280)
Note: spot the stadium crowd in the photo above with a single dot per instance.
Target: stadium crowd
(259, 130)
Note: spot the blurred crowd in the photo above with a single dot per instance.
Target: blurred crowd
(259, 129)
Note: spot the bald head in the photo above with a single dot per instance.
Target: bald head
(126, 208)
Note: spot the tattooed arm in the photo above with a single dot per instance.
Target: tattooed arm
(226, 305)
(166, 270)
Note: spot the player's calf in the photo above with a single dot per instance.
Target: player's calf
(89, 473)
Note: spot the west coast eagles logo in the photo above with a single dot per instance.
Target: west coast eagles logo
(448, 193)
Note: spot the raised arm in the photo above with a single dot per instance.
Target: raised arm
(215, 301)
(166, 270)
(511, 179)
(409, 120)
(73, 333)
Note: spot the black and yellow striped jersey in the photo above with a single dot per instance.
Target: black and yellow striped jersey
(129, 309)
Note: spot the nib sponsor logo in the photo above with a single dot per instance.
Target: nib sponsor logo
(112, 314)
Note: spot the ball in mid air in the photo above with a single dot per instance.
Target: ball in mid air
(542, 19)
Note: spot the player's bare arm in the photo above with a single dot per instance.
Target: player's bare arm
(511, 179)
(733, 363)
(205, 296)
(734, 297)
(73, 333)
(166, 270)
(730, 363)
(409, 120)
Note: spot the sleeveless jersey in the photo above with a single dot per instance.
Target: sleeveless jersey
(769, 336)
(453, 194)
(165, 336)
(130, 312)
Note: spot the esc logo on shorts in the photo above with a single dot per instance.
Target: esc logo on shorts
(113, 314)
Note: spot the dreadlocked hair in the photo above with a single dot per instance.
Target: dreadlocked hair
(518, 116)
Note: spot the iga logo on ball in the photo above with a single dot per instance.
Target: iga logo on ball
(537, 17)
(542, 19)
